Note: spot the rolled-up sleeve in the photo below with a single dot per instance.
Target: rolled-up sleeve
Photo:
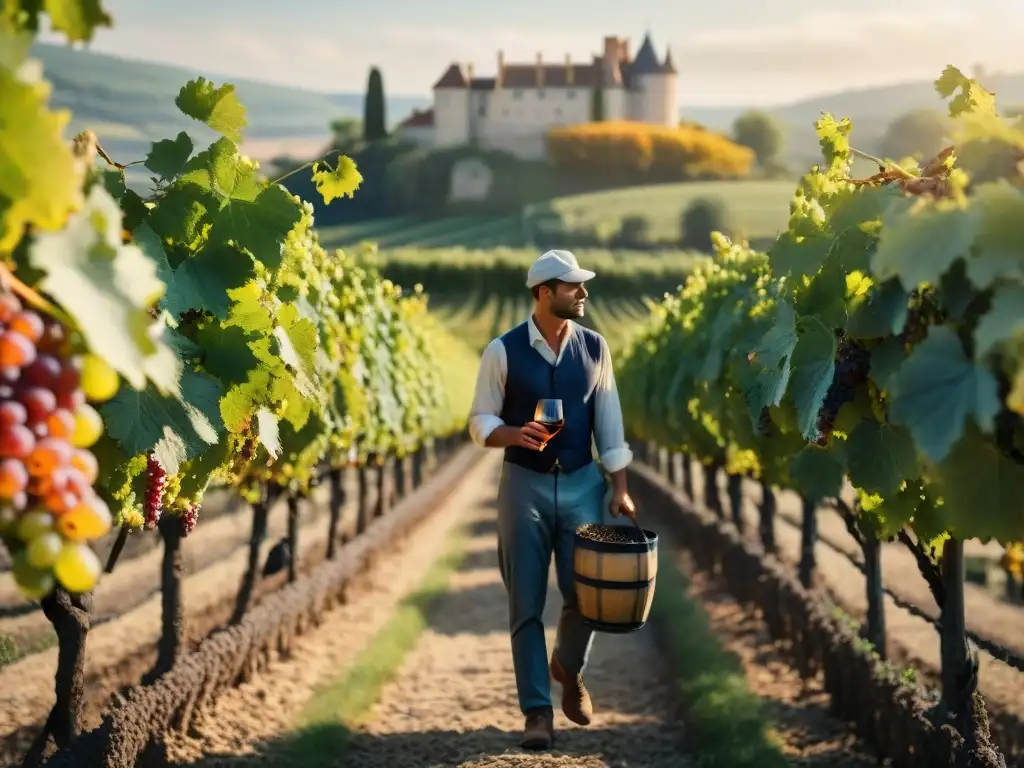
(484, 416)
(609, 432)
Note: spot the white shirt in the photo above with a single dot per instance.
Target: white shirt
(484, 416)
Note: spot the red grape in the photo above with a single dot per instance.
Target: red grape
(12, 412)
(28, 324)
(39, 402)
(16, 350)
(16, 442)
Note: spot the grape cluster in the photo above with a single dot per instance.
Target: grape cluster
(923, 311)
(189, 519)
(156, 480)
(49, 511)
(853, 363)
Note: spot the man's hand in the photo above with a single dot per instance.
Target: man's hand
(622, 503)
(529, 436)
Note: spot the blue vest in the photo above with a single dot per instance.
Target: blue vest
(573, 381)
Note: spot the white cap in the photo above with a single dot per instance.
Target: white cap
(557, 265)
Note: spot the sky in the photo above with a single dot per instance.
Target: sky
(728, 52)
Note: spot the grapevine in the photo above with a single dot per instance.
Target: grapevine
(154, 344)
(879, 342)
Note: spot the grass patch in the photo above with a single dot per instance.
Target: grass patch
(731, 725)
(323, 729)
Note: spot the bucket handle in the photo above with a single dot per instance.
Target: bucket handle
(632, 519)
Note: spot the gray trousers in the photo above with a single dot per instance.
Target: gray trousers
(537, 516)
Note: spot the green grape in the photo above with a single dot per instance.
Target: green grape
(43, 550)
(34, 583)
(35, 523)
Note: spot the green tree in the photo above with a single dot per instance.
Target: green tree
(700, 219)
(921, 133)
(597, 104)
(374, 124)
(761, 133)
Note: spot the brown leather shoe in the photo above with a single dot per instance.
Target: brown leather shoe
(576, 703)
(539, 730)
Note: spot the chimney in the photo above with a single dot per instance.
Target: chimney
(568, 69)
(469, 73)
(540, 70)
(501, 70)
(610, 61)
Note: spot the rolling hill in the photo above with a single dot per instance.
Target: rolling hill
(131, 103)
(870, 109)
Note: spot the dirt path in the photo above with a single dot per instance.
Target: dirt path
(454, 701)
(244, 725)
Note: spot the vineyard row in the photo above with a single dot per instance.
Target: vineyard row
(878, 344)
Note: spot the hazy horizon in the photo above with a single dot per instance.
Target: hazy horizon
(737, 52)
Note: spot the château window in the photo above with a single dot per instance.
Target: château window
(570, 94)
(540, 94)
(517, 94)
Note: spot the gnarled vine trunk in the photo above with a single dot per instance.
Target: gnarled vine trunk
(69, 615)
(172, 610)
(712, 496)
(734, 489)
(335, 503)
(766, 517)
(260, 515)
(808, 539)
(293, 536)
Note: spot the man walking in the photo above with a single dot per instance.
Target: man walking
(547, 491)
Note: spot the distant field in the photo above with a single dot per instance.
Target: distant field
(479, 294)
(479, 317)
(467, 231)
(759, 208)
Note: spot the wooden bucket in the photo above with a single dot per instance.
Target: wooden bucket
(615, 580)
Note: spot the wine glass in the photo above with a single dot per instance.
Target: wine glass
(550, 416)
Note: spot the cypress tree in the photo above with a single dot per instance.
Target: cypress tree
(374, 123)
(597, 105)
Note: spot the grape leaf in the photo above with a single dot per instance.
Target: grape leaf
(770, 358)
(886, 359)
(944, 234)
(77, 19)
(1004, 319)
(790, 256)
(882, 312)
(256, 216)
(813, 364)
(886, 516)
(217, 108)
(182, 216)
(1000, 240)
(168, 156)
(203, 281)
(227, 354)
(239, 403)
(343, 181)
(936, 389)
(879, 457)
(268, 432)
(176, 429)
(39, 185)
(248, 311)
(981, 490)
(817, 473)
(107, 288)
